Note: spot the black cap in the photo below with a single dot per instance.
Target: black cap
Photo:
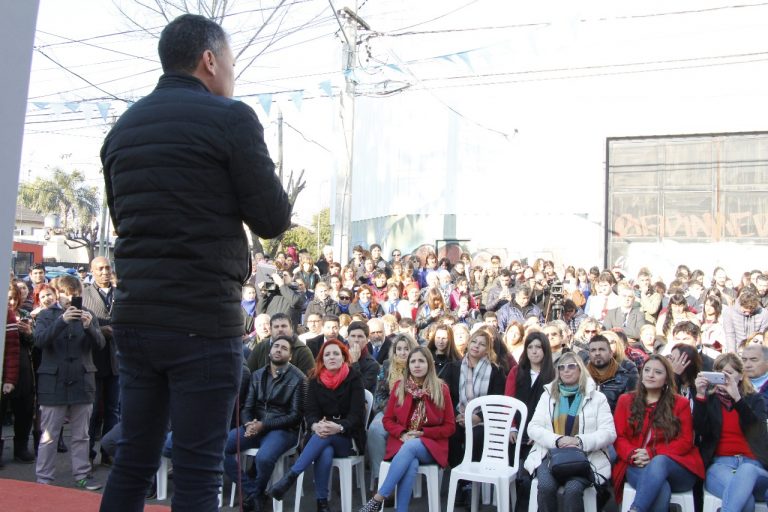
(82, 269)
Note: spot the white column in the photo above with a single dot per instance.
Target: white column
(17, 35)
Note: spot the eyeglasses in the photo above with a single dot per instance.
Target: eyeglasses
(344, 297)
(569, 366)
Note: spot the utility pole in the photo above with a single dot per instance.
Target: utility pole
(342, 218)
(280, 144)
(103, 236)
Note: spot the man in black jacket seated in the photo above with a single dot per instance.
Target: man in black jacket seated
(184, 168)
(271, 417)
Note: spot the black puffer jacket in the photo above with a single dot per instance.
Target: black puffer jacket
(183, 170)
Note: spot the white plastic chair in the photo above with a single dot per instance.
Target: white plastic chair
(712, 503)
(682, 499)
(280, 468)
(345, 465)
(161, 478)
(498, 411)
(590, 497)
(431, 472)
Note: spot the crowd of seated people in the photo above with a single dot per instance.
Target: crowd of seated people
(603, 361)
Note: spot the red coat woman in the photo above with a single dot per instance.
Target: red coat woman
(419, 419)
(438, 427)
(638, 449)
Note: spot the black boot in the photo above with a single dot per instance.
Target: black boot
(322, 506)
(281, 487)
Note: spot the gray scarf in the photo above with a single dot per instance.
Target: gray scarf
(479, 377)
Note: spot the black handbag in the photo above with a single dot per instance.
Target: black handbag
(568, 463)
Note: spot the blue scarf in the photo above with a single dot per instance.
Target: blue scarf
(249, 306)
(758, 382)
(366, 307)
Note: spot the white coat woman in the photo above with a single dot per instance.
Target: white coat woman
(570, 413)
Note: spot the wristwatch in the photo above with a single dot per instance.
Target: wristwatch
(342, 428)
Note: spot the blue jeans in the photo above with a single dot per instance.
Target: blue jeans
(376, 444)
(739, 481)
(402, 472)
(193, 380)
(321, 451)
(655, 483)
(271, 446)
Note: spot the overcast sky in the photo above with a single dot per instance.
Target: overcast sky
(496, 62)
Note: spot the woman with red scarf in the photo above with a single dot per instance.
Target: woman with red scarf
(654, 440)
(335, 412)
(419, 419)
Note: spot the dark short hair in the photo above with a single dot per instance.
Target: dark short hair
(359, 326)
(330, 318)
(504, 272)
(375, 246)
(37, 266)
(183, 41)
(285, 338)
(599, 338)
(689, 328)
(280, 316)
(489, 314)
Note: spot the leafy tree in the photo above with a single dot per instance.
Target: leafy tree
(304, 238)
(77, 205)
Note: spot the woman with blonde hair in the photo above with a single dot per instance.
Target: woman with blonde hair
(391, 372)
(475, 375)
(460, 337)
(570, 413)
(434, 308)
(729, 421)
(588, 329)
(419, 420)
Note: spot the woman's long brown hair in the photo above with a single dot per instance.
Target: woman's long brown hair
(663, 417)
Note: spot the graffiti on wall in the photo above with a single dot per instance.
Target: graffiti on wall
(706, 225)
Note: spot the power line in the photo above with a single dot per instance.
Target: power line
(100, 48)
(41, 52)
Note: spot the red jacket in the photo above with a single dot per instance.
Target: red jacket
(12, 350)
(440, 425)
(680, 449)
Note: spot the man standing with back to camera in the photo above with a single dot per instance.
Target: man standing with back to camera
(184, 168)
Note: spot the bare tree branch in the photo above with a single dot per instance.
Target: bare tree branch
(250, 42)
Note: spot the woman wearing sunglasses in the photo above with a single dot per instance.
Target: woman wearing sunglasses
(571, 413)
(654, 442)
